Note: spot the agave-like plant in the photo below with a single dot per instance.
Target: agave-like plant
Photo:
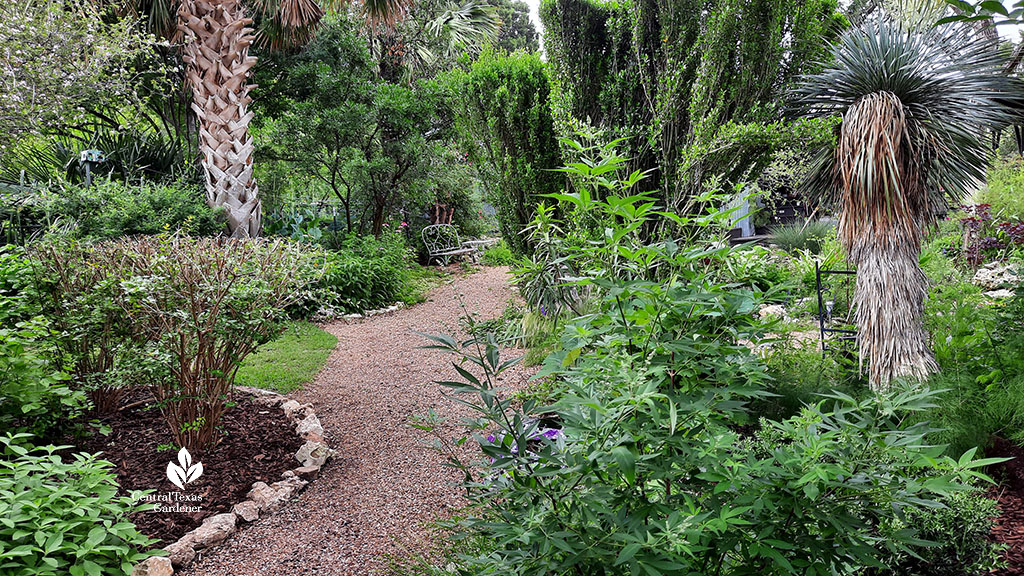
(914, 104)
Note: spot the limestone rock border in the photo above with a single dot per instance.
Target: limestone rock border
(262, 500)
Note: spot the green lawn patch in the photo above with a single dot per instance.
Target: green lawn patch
(289, 362)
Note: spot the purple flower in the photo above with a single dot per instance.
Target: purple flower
(490, 438)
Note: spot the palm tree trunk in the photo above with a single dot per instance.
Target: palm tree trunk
(217, 63)
(889, 309)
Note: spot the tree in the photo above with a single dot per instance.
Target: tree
(517, 30)
(913, 103)
(58, 59)
(505, 117)
(694, 86)
(369, 141)
(216, 38)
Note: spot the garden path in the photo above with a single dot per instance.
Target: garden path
(375, 499)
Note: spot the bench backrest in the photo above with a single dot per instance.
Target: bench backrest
(440, 238)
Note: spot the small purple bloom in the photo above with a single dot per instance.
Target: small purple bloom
(490, 438)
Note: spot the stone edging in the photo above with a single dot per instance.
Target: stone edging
(262, 500)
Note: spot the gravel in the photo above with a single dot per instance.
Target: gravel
(376, 498)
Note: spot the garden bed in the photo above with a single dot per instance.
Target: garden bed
(258, 445)
(1009, 528)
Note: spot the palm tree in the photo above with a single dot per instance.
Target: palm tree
(913, 104)
(216, 38)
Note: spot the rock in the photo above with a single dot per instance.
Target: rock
(313, 454)
(290, 407)
(182, 552)
(273, 497)
(994, 275)
(776, 310)
(214, 530)
(307, 472)
(247, 510)
(1000, 294)
(154, 566)
(263, 397)
(287, 474)
(310, 429)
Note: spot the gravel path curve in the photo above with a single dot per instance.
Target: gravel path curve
(376, 496)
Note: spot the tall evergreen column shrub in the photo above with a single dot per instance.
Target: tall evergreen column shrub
(505, 118)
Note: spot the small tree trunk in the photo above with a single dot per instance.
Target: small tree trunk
(217, 64)
(889, 310)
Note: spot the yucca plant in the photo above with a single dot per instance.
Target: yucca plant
(914, 103)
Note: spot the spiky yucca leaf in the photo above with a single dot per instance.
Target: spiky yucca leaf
(914, 104)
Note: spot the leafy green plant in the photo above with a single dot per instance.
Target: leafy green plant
(802, 236)
(110, 209)
(498, 255)
(645, 463)
(76, 288)
(64, 517)
(34, 393)
(1004, 190)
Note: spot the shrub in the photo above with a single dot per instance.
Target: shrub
(498, 255)
(111, 209)
(351, 284)
(34, 395)
(201, 306)
(76, 287)
(646, 463)
(1004, 190)
(802, 236)
(505, 117)
(64, 517)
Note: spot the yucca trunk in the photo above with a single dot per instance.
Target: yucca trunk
(880, 166)
(216, 41)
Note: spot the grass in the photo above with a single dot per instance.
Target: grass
(289, 362)
(421, 279)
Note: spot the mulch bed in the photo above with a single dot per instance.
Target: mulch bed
(258, 444)
(1009, 527)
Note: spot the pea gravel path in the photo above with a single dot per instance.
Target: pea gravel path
(377, 495)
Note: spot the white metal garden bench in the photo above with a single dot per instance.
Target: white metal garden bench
(443, 243)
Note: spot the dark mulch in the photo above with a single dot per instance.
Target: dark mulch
(1010, 493)
(257, 445)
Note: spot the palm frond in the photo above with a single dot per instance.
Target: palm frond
(468, 26)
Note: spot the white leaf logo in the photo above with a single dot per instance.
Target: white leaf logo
(184, 471)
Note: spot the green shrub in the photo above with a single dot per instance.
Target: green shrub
(646, 464)
(505, 118)
(111, 209)
(365, 273)
(498, 255)
(1004, 190)
(802, 236)
(76, 288)
(961, 529)
(63, 518)
(198, 307)
(34, 394)
(353, 283)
